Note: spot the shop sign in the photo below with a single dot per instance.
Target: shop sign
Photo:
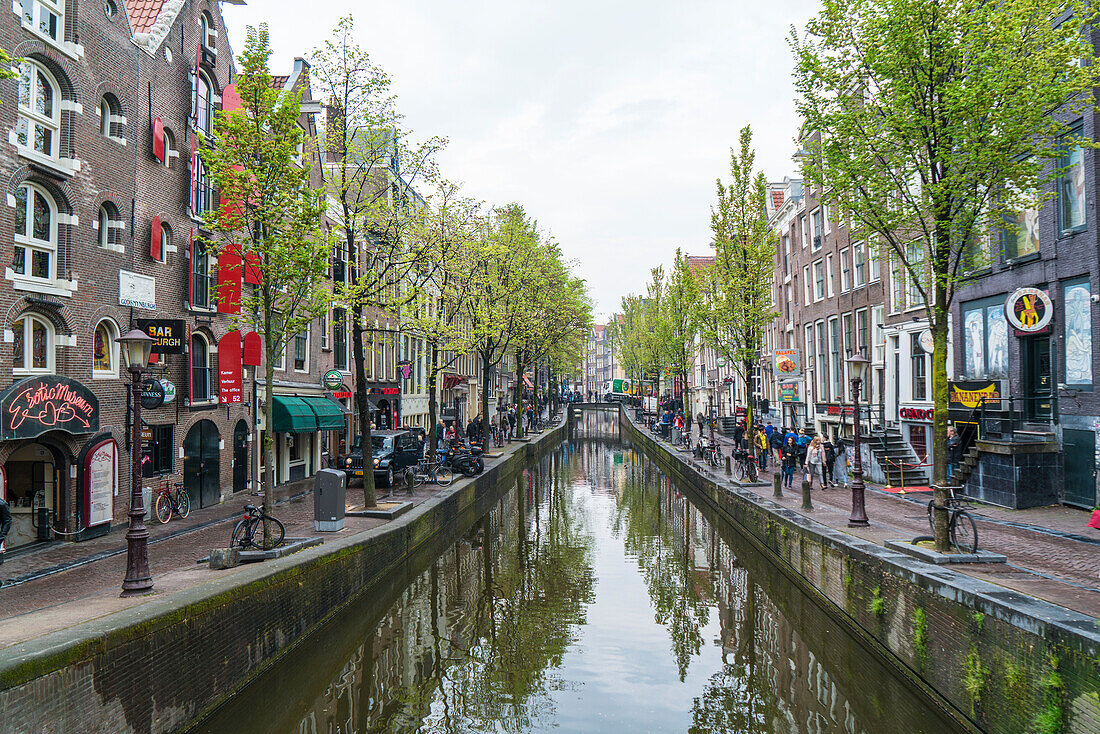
(406, 369)
(35, 405)
(340, 395)
(169, 390)
(170, 335)
(967, 395)
(788, 393)
(139, 291)
(229, 369)
(916, 414)
(1029, 310)
(100, 483)
(787, 363)
(152, 393)
(384, 391)
(333, 380)
(927, 343)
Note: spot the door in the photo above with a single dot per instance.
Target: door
(1079, 467)
(202, 464)
(240, 456)
(1038, 379)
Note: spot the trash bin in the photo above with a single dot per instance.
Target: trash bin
(329, 493)
(676, 436)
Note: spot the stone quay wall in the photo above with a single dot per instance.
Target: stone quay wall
(164, 665)
(995, 659)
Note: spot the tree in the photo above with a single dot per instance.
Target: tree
(676, 327)
(371, 166)
(269, 216)
(930, 124)
(735, 307)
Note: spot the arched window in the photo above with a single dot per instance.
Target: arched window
(170, 152)
(165, 241)
(204, 113)
(38, 127)
(208, 34)
(35, 233)
(203, 279)
(110, 117)
(110, 225)
(32, 346)
(105, 350)
(200, 368)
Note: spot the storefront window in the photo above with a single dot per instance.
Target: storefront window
(1077, 306)
(985, 339)
(1021, 235)
(1071, 184)
(920, 368)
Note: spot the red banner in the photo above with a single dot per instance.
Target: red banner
(229, 368)
(253, 350)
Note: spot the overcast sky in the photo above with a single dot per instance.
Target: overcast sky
(608, 120)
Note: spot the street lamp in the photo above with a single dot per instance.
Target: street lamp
(135, 347)
(857, 364)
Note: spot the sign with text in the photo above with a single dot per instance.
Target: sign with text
(787, 363)
(35, 405)
(100, 483)
(229, 368)
(967, 395)
(1029, 310)
(139, 291)
(169, 335)
(788, 393)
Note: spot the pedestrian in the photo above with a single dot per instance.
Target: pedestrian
(775, 441)
(769, 430)
(5, 525)
(815, 462)
(803, 441)
(953, 444)
(790, 461)
(738, 433)
(762, 449)
(830, 457)
(451, 434)
(840, 466)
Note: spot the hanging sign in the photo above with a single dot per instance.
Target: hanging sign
(333, 380)
(1029, 310)
(969, 394)
(927, 343)
(35, 405)
(787, 363)
(152, 393)
(788, 392)
(229, 368)
(100, 483)
(169, 390)
(169, 335)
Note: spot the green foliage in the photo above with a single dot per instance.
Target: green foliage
(979, 621)
(1051, 719)
(877, 605)
(974, 680)
(920, 636)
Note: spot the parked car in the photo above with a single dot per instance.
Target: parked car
(391, 452)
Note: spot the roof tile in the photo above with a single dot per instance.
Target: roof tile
(143, 13)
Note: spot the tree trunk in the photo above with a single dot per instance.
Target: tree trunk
(433, 376)
(370, 499)
(939, 421)
(269, 442)
(485, 367)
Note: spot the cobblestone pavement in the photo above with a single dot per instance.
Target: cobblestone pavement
(1051, 552)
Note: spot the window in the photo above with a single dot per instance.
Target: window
(825, 219)
(985, 338)
(202, 279)
(819, 280)
(805, 231)
(816, 229)
(1071, 183)
(834, 354)
(339, 262)
(920, 367)
(878, 316)
(805, 285)
(861, 331)
(44, 16)
(786, 255)
(846, 321)
(205, 201)
(32, 346)
(845, 270)
(163, 446)
(165, 241)
(301, 351)
(339, 339)
(860, 265)
(822, 365)
(872, 263)
(324, 330)
(914, 253)
(1077, 307)
(38, 126)
(829, 274)
(109, 226)
(170, 152)
(200, 369)
(105, 350)
(110, 117)
(35, 253)
(293, 448)
(208, 34)
(204, 111)
(897, 284)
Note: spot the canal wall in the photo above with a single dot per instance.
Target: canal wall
(997, 660)
(163, 665)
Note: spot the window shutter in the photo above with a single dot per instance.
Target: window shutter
(229, 280)
(252, 271)
(252, 352)
(190, 276)
(154, 240)
(158, 139)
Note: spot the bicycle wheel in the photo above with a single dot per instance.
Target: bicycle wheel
(932, 517)
(183, 503)
(417, 476)
(241, 537)
(163, 508)
(964, 533)
(441, 477)
(278, 533)
(751, 467)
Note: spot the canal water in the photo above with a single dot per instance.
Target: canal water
(595, 597)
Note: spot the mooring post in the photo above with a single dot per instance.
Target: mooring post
(729, 470)
(777, 486)
(807, 504)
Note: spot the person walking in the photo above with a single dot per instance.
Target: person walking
(762, 449)
(815, 462)
(803, 441)
(830, 457)
(953, 444)
(775, 441)
(840, 465)
(790, 461)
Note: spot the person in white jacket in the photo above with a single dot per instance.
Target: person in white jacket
(815, 462)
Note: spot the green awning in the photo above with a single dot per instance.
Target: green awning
(329, 415)
(293, 415)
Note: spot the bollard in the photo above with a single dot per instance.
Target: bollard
(807, 504)
(777, 486)
(729, 470)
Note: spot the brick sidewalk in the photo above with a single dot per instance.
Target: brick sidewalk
(1051, 552)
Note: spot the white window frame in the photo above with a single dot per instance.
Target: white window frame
(29, 72)
(324, 329)
(108, 117)
(28, 320)
(204, 113)
(859, 255)
(31, 244)
(819, 280)
(208, 274)
(112, 351)
(103, 225)
(845, 270)
(170, 151)
(304, 332)
(805, 285)
(829, 275)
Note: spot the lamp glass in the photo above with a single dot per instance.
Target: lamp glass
(858, 364)
(136, 346)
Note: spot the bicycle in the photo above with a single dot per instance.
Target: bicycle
(244, 532)
(171, 497)
(428, 471)
(712, 454)
(961, 527)
(746, 466)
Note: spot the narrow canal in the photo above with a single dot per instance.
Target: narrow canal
(594, 598)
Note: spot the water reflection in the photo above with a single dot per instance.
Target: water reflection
(593, 597)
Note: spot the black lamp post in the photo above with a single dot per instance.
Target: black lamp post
(857, 363)
(136, 346)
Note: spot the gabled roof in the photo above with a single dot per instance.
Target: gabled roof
(699, 262)
(143, 13)
(777, 199)
(279, 82)
(150, 21)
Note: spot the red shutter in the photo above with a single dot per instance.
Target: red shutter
(158, 139)
(231, 101)
(229, 368)
(190, 274)
(252, 271)
(194, 179)
(154, 240)
(252, 354)
(229, 280)
(190, 376)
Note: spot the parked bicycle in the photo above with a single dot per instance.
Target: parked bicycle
(711, 453)
(171, 498)
(244, 532)
(746, 465)
(961, 528)
(428, 471)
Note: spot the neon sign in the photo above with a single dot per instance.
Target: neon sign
(36, 405)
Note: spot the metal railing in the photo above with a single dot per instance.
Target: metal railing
(1016, 413)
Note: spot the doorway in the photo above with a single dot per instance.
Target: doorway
(240, 457)
(202, 464)
(1038, 379)
(1079, 467)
